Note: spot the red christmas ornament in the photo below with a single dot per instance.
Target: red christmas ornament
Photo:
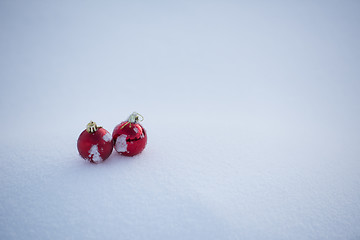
(129, 137)
(94, 143)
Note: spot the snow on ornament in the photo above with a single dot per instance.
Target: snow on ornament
(129, 137)
(95, 143)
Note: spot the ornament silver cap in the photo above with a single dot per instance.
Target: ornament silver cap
(133, 118)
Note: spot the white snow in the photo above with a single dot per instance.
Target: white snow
(107, 137)
(94, 154)
(251, 109)
(121, 144)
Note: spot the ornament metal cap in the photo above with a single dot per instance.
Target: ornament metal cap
(91, 127)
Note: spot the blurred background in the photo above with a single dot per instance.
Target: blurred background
(84, 60)
(252, 109)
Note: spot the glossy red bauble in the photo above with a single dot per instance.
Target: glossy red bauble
(95, 144)
(129, 138)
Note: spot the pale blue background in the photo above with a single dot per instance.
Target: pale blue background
(252, 110)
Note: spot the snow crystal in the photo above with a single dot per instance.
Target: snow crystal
(107, 137)
(136, 130)
(94, 154)
(121, 144)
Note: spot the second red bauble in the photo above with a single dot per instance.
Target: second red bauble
(129, 137)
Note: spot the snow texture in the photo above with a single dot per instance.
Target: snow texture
(252, 112)
(121, 144)
(107, 137)
(94, 154)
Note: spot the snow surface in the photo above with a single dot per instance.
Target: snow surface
(252, 112)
